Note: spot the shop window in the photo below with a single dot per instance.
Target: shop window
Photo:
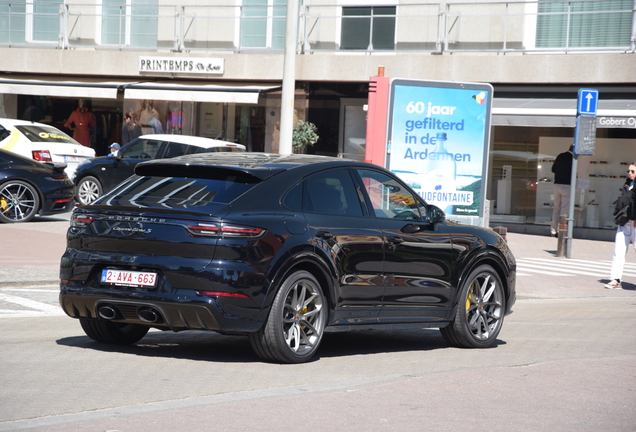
(263, 24)
(130, 22)
(30, 21)
(368, 28)
(579, 24)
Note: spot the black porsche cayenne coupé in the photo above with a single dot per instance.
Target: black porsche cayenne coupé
(281, 249)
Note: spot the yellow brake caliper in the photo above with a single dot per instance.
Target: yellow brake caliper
(4, 205)
(469, 297)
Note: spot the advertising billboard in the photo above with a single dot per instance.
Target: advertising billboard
(438, 135)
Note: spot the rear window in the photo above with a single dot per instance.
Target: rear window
(224, 149)
(45, 134)
(178, 192)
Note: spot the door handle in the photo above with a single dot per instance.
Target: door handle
(324, 234)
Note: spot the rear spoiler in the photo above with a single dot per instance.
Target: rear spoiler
(57, 166)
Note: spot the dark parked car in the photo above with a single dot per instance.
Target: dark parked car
(99, 175)
(28, 188)
(279, 248)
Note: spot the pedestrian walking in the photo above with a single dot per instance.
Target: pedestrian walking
(562, 169)
(625, 232)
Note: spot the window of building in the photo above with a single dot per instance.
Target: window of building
(579, 24)
(263, 24)
(30, 21)
(130, 22)
(368, 28)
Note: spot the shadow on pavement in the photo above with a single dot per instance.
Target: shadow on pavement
(214, 347)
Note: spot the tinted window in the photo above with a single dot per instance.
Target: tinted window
(142, 149)
(331, 192)
(224, 149)
(4, 133)
(177, 192)
(45, 134)
(176, 149)
(388, 197)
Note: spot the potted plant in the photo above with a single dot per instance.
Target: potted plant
(303, 135)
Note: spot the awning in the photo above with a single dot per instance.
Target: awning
(194, 92)
(168, 90)
(552, 112)
(81, 89)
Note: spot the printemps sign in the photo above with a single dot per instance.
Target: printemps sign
(438, 141)
(189, 65)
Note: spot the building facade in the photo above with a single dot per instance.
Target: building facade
(215, 69)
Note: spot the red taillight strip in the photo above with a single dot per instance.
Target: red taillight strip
(205, 229)
(225, 230)
(81, 221)
(241, 230)
(221, 294)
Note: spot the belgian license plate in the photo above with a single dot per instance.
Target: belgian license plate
(129, 278)
(73, 158)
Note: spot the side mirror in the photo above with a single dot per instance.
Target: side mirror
(436, 214)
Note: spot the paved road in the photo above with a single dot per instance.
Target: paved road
(565, 360)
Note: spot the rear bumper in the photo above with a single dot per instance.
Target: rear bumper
(181, 310)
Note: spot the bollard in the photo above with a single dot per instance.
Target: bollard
(502, 231)
(562, 235)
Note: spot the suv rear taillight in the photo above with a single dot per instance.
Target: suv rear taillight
(80, 221)
(224, 230)
(42, 155)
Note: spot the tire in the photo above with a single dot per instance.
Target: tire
(19, 202)
(296, 321)
(88, 190)
(113, 333)
(480, 311)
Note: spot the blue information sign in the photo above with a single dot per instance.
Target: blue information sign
(587, 102)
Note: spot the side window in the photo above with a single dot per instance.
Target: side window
(176, 149)
(142, 149)
(388, 197)
(331, 192)
(4, 133)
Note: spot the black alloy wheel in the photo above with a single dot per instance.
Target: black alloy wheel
(480, 311)
(296, 321)
(19, 202)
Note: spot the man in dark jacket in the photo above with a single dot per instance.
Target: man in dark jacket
(562, 169)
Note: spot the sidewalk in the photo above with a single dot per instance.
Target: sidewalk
(31, 251)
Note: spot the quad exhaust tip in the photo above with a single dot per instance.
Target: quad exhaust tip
(150, 316)
(107, 313)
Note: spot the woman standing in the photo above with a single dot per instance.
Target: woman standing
(625, 234)
(131, 129)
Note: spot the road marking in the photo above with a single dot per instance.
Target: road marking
(36, 308)
(569, 267)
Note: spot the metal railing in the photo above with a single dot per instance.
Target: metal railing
(517, 26)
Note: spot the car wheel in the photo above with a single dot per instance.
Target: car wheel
(19, 202)
(480, 311)
(88, 190)
(296, 321)
(113, 333)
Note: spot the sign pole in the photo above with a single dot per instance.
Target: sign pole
(568, 244)
(584, 145)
